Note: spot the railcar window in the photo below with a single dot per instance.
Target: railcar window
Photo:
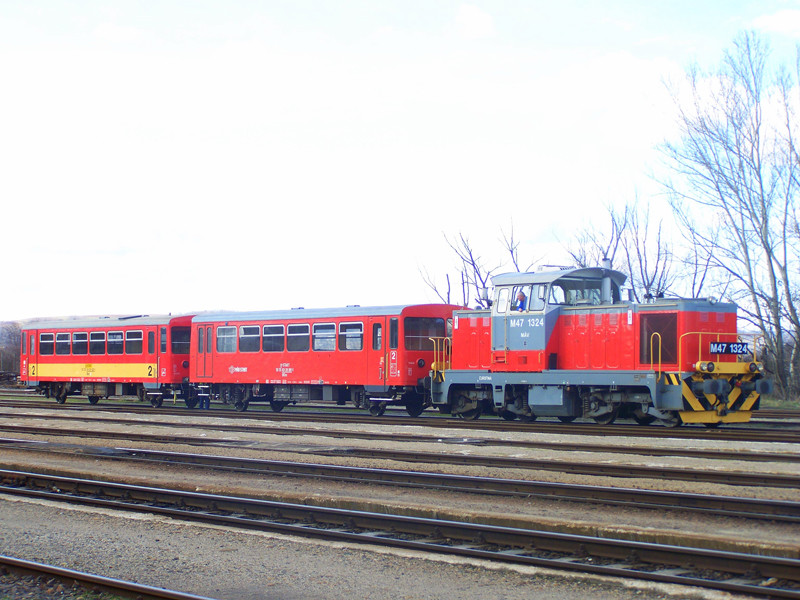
(226, 339)
(181, 340)
(419, 330)
(133, 342)
(394, 334)
(24, 342)
(324, 337)
(151, 342)
(200, 340)
(62, 343)
(33, 345)
(298, 338)
(273, 338)
(46, 343)
(80, 343)
(163, 339)
(97, 342)
(116, 342)
(249, 338)
(377, 336)
(351, 336)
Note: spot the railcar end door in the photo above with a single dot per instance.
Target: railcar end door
(204, 354)
(376, 360)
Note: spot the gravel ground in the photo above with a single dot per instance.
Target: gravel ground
(230, 564)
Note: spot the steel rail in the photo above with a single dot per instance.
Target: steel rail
(740, 478)
(349, 415)
(118, 587)
(758, 575)
(737, 455)
(715, 505)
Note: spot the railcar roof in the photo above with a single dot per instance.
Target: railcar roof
(307, 313)
(96, 322)
(554, 275)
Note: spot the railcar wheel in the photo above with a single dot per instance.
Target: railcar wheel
(376, 409)
(190, 402)
(567, 419)
(470, 415)
(240, 405)
(415, 405)
(277, 406)
(607, 418)
(508, 415)
(94, 399)
(61, 394)
(156, 401)
(527, 418)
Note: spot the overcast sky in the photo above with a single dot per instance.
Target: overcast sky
(177, 156)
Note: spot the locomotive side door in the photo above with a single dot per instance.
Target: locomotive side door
(376, 351)
(204, 354)
(518, 323)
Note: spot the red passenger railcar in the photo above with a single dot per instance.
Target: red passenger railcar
(98, 357)
(370, 356)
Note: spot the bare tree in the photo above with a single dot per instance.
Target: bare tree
(648, 256)
(736, 186)
(593, 244)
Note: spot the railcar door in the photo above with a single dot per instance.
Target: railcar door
(376, 351)
(204, 354)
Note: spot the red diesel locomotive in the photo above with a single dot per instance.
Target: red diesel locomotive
(368, 356)
(563, 343)
(108, 356)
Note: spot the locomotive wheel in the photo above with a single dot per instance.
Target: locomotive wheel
(673, 421)
(94, 399)
(277, 406)
(644, 419)
(470, 415)
(567, 419)
(608, 418)
(712, 425)
(508, 415)
(376, 409)
(527, 418)
(156, 401)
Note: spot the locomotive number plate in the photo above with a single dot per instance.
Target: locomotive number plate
(728, 348)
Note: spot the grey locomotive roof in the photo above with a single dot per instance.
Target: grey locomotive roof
(551, 276)
(301, 313)
(100, 322)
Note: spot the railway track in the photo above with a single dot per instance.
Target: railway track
(736, 455)
(740, 478)
(757, 575)
(713, 505)
(789, 434)
(91, 582)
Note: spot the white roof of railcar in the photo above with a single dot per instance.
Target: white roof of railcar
(308, 313)
(100, 322)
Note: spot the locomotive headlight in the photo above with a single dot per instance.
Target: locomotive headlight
(755, 367)
(705, 367)
(421, 363)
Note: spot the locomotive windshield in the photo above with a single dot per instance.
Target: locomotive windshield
(418, 330)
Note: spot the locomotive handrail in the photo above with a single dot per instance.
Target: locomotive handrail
(442, 347)
(700, 343)
(652, 337)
